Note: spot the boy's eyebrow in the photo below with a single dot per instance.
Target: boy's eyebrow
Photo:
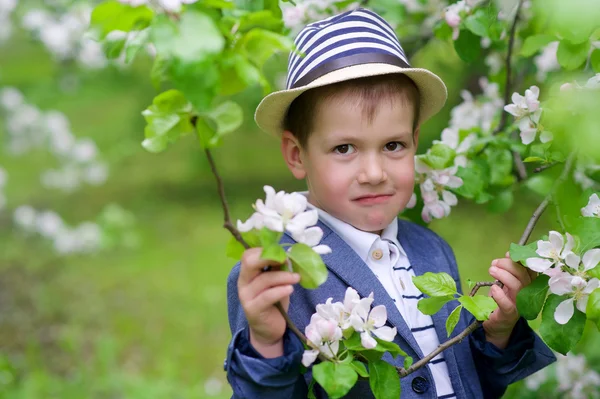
(359, 138)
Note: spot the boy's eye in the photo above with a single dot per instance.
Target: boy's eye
(344, 149)
(393, 146)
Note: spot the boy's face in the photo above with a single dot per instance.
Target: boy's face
(360, 173)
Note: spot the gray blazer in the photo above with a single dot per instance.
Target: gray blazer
(477, 368)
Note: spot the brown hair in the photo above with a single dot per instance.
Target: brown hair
(368, 92)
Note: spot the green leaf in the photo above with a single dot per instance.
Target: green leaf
(309, 265)
(436, 284)
(198, 80)
(535, 43)
(467, 46)
(391, 347)
(408, 361)
(336, 379)
(159, 71)
(155, 144)
(135, 43)
(171, 101)
(259, 45)
(432, 305)
(227, 116)
(502, 161)
(236, 74)
(478, 23)
(531, 298)
(502, 202)
(593, 307)
(572, 56)
(453, 319)
(533, 159)
(595, 60)
(274, 252)
(353, 342)
(384, 380)
(206, 135)
(594, 272)
(475, 180)
(234, 249)
(113, 44)
(479, 306)
(191, 39)
(588, 232)
(260, 19)
(540, 184)
(167, 119)
(113, 15)
(520, 253)
(439, 156)
(442, 30)
(560, 337)
(360, 368)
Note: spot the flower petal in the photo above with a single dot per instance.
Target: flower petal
(385, 333)
(449, 198)
(378, 315)
(302, 220)
(309, 357)
(544, 248)
(591, 259)
(557, 241)
(561, 284)
(538, 264)
(572, 260)
(591, 286)
(367, 340)
(322, 249)
(527, 136)
(564, 311)
(568, 246)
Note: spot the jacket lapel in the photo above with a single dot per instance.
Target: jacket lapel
(363, 281)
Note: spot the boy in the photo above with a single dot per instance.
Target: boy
(349, 125)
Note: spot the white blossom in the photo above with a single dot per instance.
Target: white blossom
(546, 61)
(370, 323)
(454, 14)
(323, 336)
(551, 252)
(24, 217)
(477, 112)
(524, 105)
(286, 212)
(433, 185)
(593, 207)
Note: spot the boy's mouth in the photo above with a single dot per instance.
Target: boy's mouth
(372, 199)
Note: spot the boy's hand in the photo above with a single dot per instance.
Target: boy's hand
(258, 292)
(502, 320)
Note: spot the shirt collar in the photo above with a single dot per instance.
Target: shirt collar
(360, 241)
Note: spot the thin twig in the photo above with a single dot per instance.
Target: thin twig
(520, 166)
(544, 167)
(559, 217)
(507, 88)
(235, 232)
(482, 284)
(524, 238)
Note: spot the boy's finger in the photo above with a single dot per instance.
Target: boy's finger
(252, 265)
(268, 298)
(504, 303)
(515, 269)
(532, 274)
(505, 277)
(268, 280)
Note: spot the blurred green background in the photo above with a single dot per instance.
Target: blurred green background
(151, 321)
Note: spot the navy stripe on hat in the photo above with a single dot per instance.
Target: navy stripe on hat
(354, 37)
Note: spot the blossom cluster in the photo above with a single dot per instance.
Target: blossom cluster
(295, 16)
(30, 128)
(593, 83)
(574, 377)
(526, 109)
(434, 184)
(63, 34)
(455, 13)
(335, 321)
(167, 5)
(568, 272)
(283, 211)
(6, 9)
(84, 238)
(477, 111)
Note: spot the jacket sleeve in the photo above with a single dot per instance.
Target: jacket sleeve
(497, 368)
(249, 373)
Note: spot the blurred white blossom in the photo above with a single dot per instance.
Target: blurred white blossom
(546, 61)
(593, 207)
(477, 112)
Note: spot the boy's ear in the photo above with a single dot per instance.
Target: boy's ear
(292, 154)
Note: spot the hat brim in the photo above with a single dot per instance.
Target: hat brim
(271, 111)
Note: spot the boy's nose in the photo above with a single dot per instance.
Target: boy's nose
(372, 171)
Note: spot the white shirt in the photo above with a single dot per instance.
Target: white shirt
(388, 261)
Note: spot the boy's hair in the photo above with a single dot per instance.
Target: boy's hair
(368, 92)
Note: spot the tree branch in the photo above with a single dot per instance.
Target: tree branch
(507, 88)
(238, 236)
(524, 238)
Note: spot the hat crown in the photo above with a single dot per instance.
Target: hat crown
(354, 37)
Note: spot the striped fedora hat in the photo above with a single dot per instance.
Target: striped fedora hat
(349, 45)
